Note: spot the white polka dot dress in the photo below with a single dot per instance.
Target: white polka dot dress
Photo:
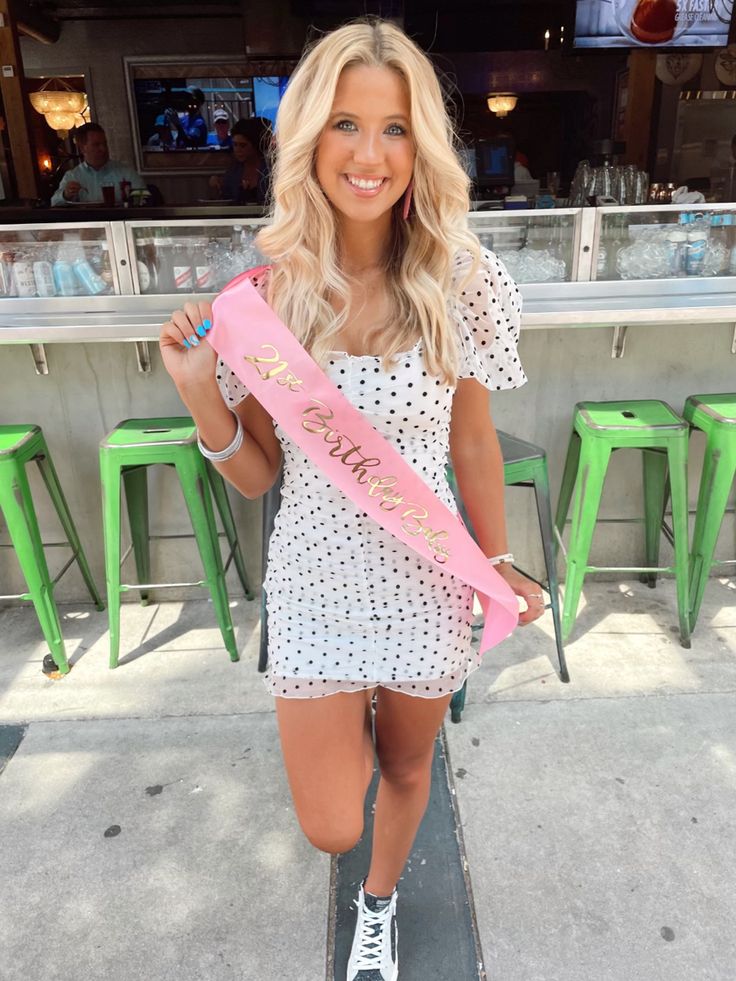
(349, 606)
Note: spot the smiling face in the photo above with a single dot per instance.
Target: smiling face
(365, 155)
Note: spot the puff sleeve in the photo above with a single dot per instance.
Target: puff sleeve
(487, 312)
(233, 391)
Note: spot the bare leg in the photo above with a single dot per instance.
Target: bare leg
(328, 755)
(406, 728)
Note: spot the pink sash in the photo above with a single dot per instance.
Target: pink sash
(294, 390)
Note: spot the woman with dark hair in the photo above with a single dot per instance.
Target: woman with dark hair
(246, 181)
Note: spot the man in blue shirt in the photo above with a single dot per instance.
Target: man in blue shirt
(84, 183)
(193, 128)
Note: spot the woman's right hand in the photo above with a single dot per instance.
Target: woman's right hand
(187, 356)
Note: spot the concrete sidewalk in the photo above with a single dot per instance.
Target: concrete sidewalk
(146, 829)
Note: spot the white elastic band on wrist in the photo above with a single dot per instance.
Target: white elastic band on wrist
(499, 559)
(219, 456)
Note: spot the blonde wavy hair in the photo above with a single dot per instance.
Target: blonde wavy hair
(302, 238)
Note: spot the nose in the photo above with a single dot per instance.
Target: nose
(369, 148)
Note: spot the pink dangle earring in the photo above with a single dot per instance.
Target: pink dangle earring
(407, 200)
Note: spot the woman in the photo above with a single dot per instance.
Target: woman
(376, 274)
(246, 181)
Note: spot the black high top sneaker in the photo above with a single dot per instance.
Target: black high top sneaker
(374, 952)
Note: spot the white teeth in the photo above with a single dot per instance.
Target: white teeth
(365, 185)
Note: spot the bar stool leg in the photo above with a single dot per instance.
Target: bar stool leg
(195, 485)
(135, 481)
(544, 513)
(271, 504)
(110, 477)
(51, 479)
(677, 457)
(457, 703)
(715, 486)
(16, 504)
(219, 492)
(594, 463)
(654, 464)
(567, 484)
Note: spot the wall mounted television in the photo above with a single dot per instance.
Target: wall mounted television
(181, 113)
(662, 24)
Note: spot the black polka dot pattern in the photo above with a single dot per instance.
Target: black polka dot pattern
(349, 606)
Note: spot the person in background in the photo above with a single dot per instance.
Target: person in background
(246, 181)
(521, 168)
(193, 128)
(222, 137)
(83, 184)
(165, 136)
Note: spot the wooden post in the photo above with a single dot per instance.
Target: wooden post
(639, 108)
(17, 107)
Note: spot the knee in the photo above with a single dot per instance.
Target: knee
(333, 838)
(406, 772)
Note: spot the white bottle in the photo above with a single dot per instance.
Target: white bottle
(697, 241)
(44, 275)
(677, 251)
(23, 278)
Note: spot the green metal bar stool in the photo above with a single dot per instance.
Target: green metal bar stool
(19, 446)
(599, 429)
(524, 465)
(714, 415)
(126, 453)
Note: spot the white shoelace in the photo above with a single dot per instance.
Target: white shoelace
(371, 938)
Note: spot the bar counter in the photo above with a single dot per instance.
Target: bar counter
(78, 365)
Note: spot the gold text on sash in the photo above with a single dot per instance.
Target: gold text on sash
(317, 421)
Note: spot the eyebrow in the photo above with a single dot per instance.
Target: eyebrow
(352, 115)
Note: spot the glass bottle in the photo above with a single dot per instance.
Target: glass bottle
(64, 279)
(182, 268)
(106, 267)
(44, 274)
(163, 246)
(6, 274)
(202, 264)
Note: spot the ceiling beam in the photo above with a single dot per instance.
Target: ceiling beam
(35, 23)
(120, 12)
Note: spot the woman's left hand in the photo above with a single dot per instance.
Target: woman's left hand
(529, 591)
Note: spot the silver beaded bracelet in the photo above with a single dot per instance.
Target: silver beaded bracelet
(219, 456)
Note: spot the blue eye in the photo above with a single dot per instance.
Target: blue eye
(397, 130)
(342, 123)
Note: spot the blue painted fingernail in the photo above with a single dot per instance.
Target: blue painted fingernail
(201, 331)
(207, 324)
(186, 343)
(193, 340)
